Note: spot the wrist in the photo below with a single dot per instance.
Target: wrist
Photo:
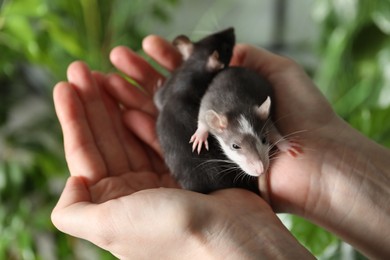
(250, 233)
(355, 181)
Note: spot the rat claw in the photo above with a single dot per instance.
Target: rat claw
(199, 147)
(292, 154)
(291, 146)
(197, 140)
(295, 149)
(194, 145)
(298, 149)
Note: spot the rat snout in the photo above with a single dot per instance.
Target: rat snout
(256, 168)
(259, 168)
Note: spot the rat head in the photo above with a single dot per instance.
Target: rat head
(213, 51)
(243, 137)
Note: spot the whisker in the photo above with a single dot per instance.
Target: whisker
(265, 126)
(286, 137)
(245, 177)
(282, 117)
(208, 161)
(222, 174)
(237, 177)
(273, 154)
(274, 158)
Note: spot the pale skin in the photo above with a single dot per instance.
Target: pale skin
(341, 181)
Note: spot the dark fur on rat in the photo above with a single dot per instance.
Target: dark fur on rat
(178, 101)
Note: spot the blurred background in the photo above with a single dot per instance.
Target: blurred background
(343, 44)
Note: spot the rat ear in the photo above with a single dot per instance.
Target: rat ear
(213, 63)
(263, 110)
(184, 45)
(216, 121)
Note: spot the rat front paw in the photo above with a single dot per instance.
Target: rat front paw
(198, 139)
(292, 147)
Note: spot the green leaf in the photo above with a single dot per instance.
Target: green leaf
(19, 28)
(381, 16)
(64, 37)
(26, 8)
(3, 178)
(316, 239)
(373, 123)
(355, 97)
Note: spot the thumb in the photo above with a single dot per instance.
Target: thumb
(69, 214)
(260, 60)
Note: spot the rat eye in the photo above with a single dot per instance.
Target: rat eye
(236, 147)
(264, 140)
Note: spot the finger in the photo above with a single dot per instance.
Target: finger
(82, 155)
(130, 96)
(99, 120)
(136, 68)
(162, 51)
(136, 156)
(144, 127)
(293, 89)
(261, 60)
(158, 164)
(98, 77)
(75, 191)
(67, 215)
(283, 73)
(74, 213)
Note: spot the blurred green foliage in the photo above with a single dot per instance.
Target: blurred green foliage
(355, 68)
(41, 37)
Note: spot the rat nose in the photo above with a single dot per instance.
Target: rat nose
(258, 168)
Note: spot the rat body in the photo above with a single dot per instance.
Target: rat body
(236, 111)
(178, 101)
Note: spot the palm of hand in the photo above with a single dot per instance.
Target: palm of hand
(111, 160)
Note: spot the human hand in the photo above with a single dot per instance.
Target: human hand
(97, 145)
(113, 197)
(294, 92)
(327, 184)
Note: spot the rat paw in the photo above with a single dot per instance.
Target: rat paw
(198, 139)
(292, 147)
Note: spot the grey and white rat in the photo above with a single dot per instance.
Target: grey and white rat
(236, 110)
(178, 101)
(232, 103)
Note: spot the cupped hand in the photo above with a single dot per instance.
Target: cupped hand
(114, 198)
(300, 112)
(337, 177)
(296, 185)
(97, 145)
